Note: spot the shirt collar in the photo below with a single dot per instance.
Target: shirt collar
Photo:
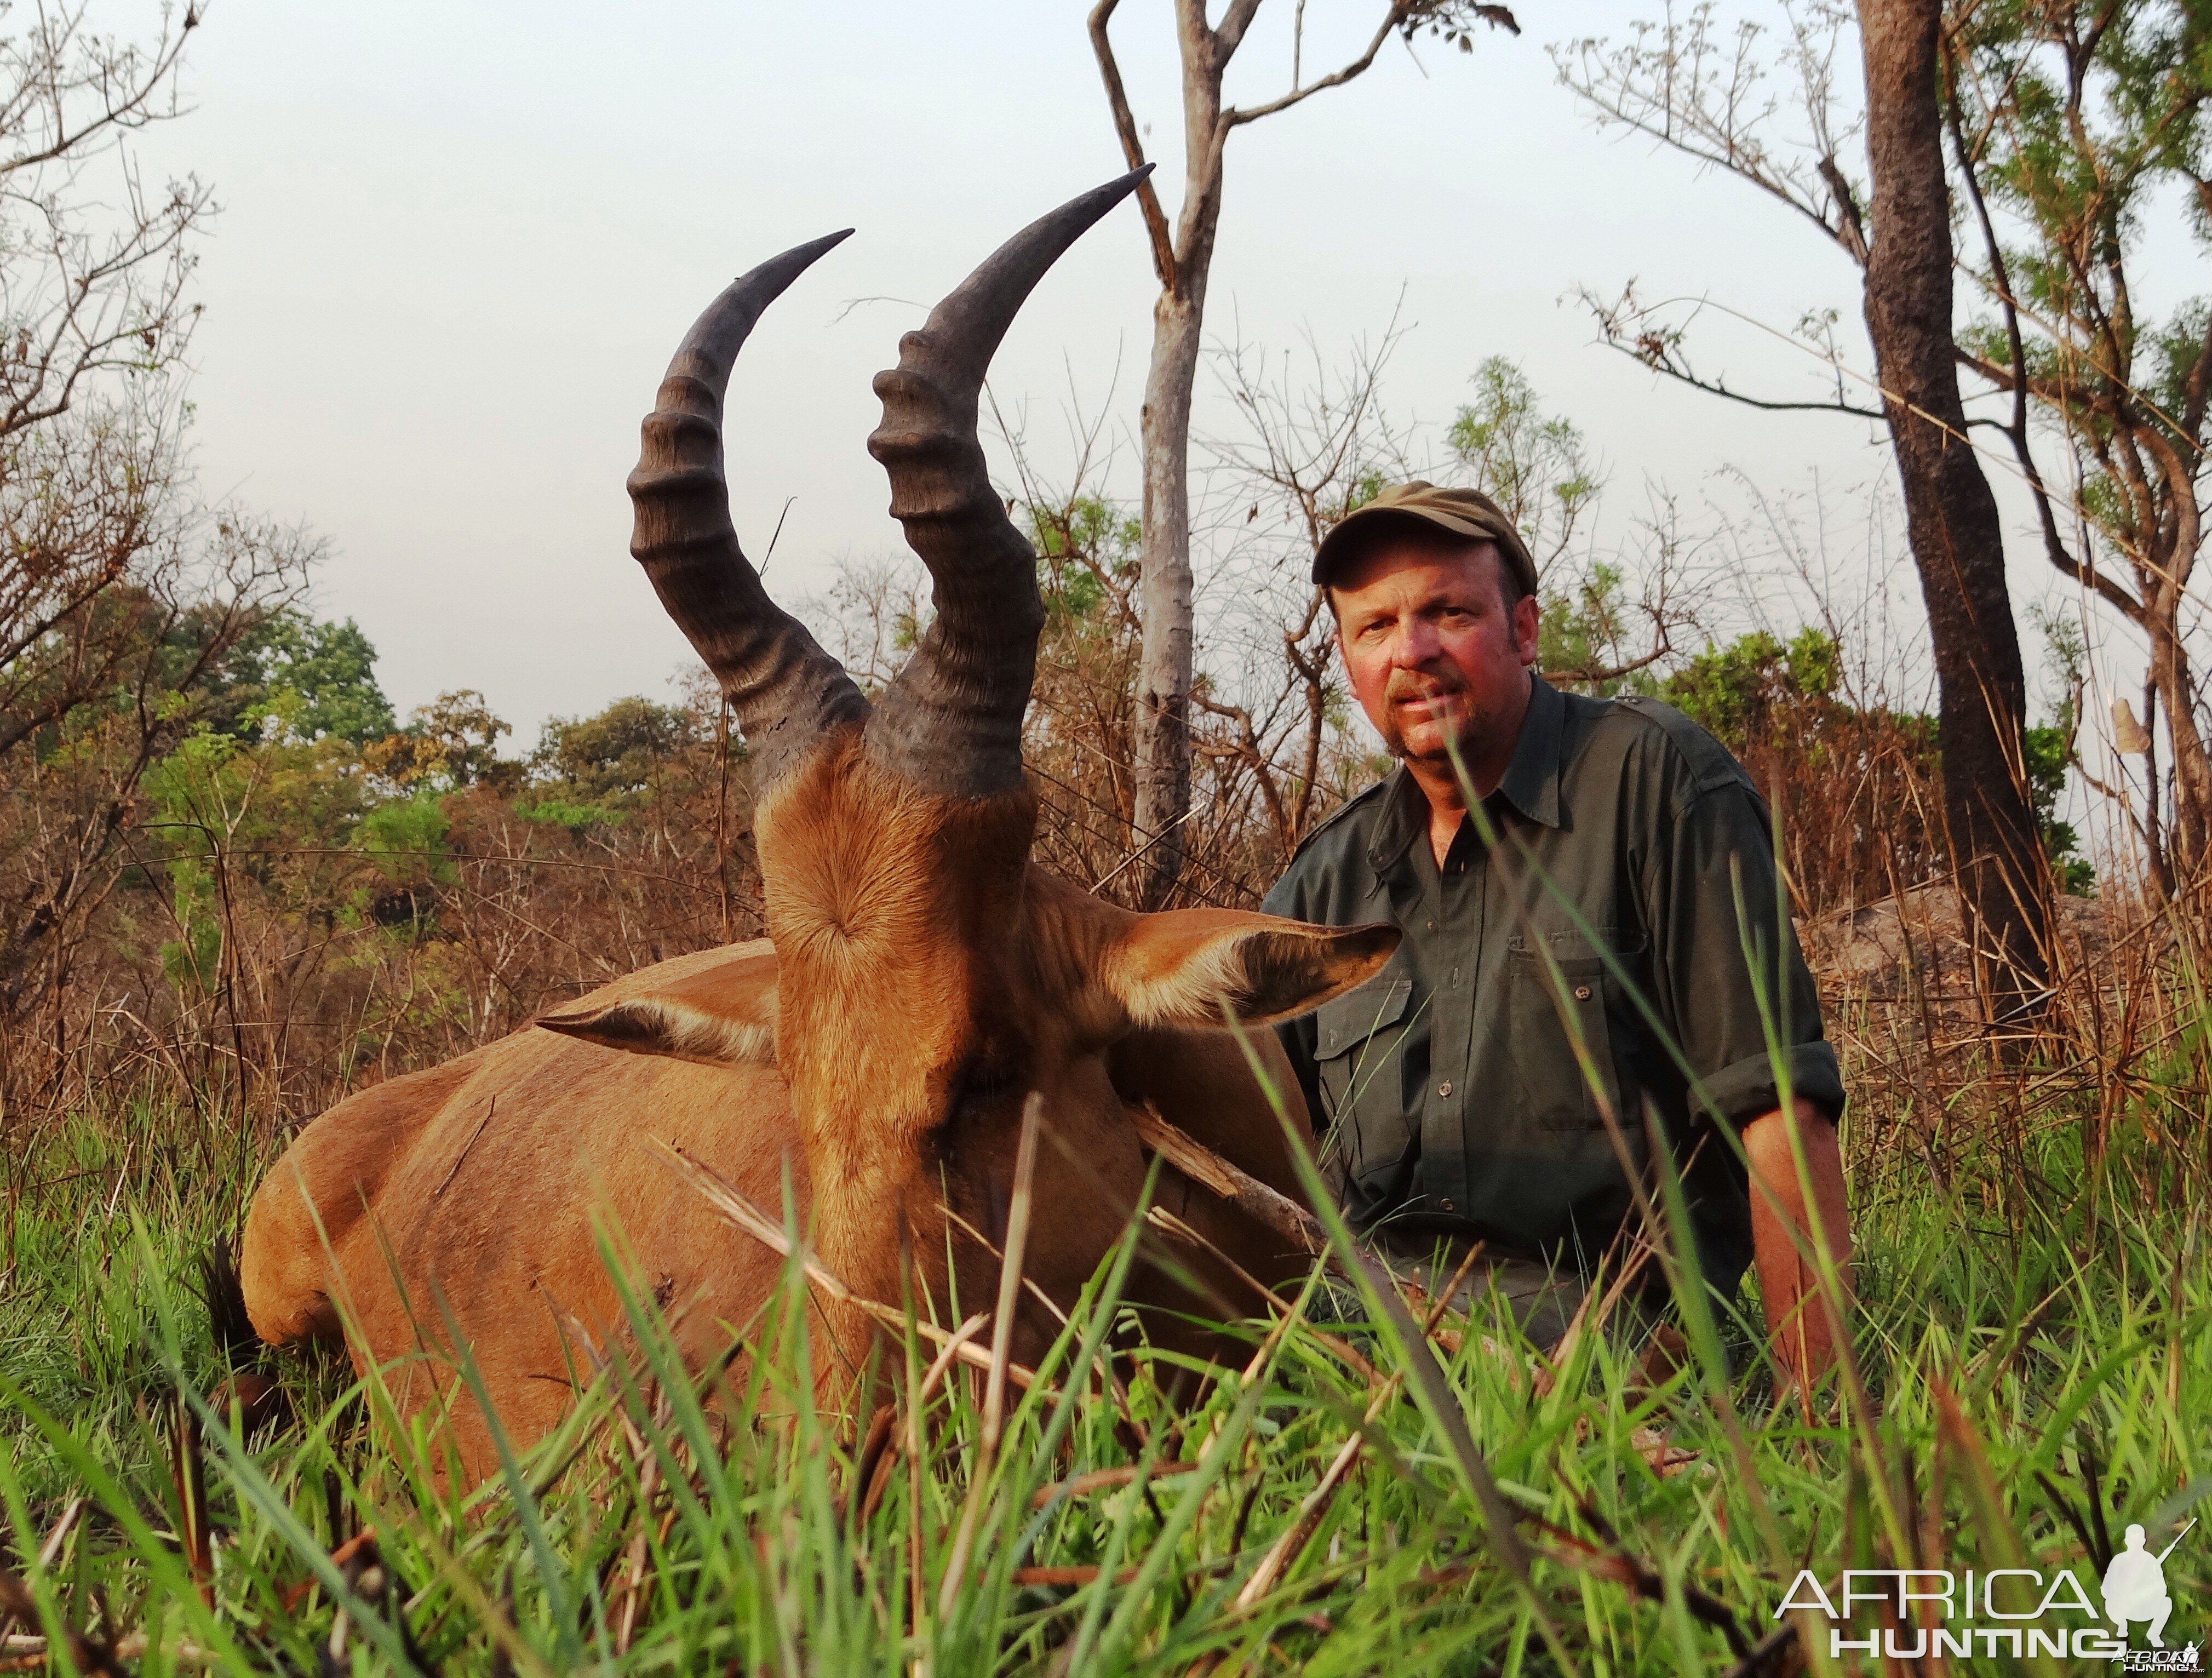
(1530, 783)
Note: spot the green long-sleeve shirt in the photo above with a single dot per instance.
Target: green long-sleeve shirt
(1448, 1088)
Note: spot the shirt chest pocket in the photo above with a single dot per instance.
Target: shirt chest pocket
(1562, 996)
(1358, 1040)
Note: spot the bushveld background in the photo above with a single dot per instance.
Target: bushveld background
(235, 886)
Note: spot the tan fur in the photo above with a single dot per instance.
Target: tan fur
(919, 979)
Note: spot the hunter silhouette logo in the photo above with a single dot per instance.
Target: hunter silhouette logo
(2134, 1586)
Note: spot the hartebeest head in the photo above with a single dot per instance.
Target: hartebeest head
(929, 978)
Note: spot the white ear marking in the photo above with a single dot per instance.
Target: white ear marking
(1196, 987)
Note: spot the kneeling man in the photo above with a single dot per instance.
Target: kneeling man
(1574, 956)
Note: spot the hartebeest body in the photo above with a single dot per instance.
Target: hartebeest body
(920, 980)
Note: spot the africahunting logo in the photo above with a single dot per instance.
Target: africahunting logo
(2013, 1611)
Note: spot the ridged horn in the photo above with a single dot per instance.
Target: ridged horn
(951, 722)
(786, 691)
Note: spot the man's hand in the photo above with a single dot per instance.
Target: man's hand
(1799, 1319)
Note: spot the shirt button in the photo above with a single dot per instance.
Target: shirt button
(1582, 993)
(1444, 1088)
(1447, 1204)
(1428, 926)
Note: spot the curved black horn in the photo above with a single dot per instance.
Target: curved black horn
(786, 691)
(952, 721)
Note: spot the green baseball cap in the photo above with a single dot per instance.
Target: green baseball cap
(1466, 513)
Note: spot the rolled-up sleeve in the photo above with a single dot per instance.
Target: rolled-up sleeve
(1723, 942)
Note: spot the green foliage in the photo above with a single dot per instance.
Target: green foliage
(328, 668)
(191, 793)
(586, 769)
(2049, 748)
(1732, 689)
(557, 812)
(190, 962)
(406, 837)
(1078, 547)
(1579, 625)
(1759, 690)
(2090, 115)
(220, 806)
(1535, 466)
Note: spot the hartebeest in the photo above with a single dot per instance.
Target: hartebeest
(920, 979)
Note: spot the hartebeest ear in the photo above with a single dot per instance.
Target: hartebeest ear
(1188, 966)
(717, 1009)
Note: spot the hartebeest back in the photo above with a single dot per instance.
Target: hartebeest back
(920, 979)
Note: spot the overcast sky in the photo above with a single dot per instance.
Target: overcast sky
(459, 240)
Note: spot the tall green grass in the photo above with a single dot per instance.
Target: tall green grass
(2035, 1347)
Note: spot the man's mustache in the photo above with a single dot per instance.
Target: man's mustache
(1409, 686)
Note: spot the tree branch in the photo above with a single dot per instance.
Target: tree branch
(1662, 94)
(1852, 235)
(130, 111)
(1235, 117)
(2197, 388)
(1125, 126)
(2054, 546)
(1614, 672)
(1234, 23)
(1657, 354)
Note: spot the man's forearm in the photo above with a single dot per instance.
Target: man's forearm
(1803, 1329)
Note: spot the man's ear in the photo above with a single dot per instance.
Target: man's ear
(1527, 629)
(717, 1009)
(1188, 966)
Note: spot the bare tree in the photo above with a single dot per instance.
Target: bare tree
(92, 264)
(1685, 83)
(1313, 443)
(118, 595)
(872, 616)
(1951, 516)
(1182, 259)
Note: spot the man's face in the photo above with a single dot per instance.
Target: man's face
(1433, 655)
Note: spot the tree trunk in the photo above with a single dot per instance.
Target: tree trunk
(2174, 532)
(1951, 517)
(2192, 769)
(1162, 733)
